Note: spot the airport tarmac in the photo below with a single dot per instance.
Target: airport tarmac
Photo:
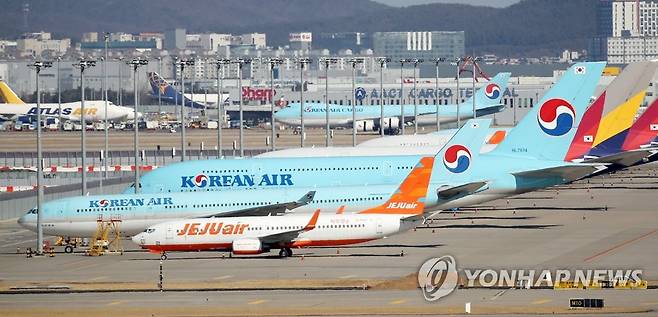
(609, 222)
(254, 138)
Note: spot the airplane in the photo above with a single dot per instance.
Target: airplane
(377, 170)
(78, 216)
(12, 107)
(605, 135)
(169, 94)
(411, 144)
(255, 235)
(487, 101)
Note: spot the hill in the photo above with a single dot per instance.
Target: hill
(526, 28)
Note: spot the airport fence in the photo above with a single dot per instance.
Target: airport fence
(148, 157)
(14, 205)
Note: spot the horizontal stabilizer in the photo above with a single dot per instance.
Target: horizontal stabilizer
(566, 172)
(627, 158)
(274, 209)
(460, 191)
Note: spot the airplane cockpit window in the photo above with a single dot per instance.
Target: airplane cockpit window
(149, 230)
(32, 211)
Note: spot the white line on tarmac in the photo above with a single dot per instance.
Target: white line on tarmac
(15, 243)
(13, 232)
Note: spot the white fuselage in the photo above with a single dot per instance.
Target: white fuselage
(222, 233)
(94, 110)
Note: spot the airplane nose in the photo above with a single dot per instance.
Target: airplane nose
(138, 239)
(27, 222)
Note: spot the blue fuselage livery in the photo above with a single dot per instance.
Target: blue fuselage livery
(487, 101)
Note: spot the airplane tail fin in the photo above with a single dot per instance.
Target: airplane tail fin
(644, 130)
(605, 124)
(7, 95)
(462, 150)
(547, 130)
(409, 198)
(490, 94)
(160, 87)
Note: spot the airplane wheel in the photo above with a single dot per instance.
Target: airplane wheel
(283, 253)
(163, 256)
(68, 249)
(288, 251)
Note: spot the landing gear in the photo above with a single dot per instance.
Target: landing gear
(68, 249)
(285, 252)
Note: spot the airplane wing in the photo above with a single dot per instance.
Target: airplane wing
(447, 193)
(483, 111)
(626, 158)
(567, 172)
(288, 236)
(273, 209)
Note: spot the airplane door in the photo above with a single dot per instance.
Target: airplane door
(170, 233)
(387, 168)
(380, 227)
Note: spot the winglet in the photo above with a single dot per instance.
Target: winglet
(314, 220)
(307, 198)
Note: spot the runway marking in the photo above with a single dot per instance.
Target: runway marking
(223, 277)
(257, 302)
(117, 302)
(15, 243)
(650, 304)
(98, 278)
(347, 276)
(15, 232)
(398, 302)
(541, 301)
(623, 244)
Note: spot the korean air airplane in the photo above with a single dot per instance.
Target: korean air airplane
(402, 211)
(12, 106)
(487, 100)
(78, 216)
(162, 89)
(533, 143)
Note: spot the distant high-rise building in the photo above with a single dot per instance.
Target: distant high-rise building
(634, 31)
(425, 45)
(175, 39)
(598, 45)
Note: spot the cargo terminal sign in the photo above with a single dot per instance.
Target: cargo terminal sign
(361, 93)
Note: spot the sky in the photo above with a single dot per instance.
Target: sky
(490, 3)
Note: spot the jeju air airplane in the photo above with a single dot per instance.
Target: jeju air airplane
(254, 235)
(12, 106)
(487, 101)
